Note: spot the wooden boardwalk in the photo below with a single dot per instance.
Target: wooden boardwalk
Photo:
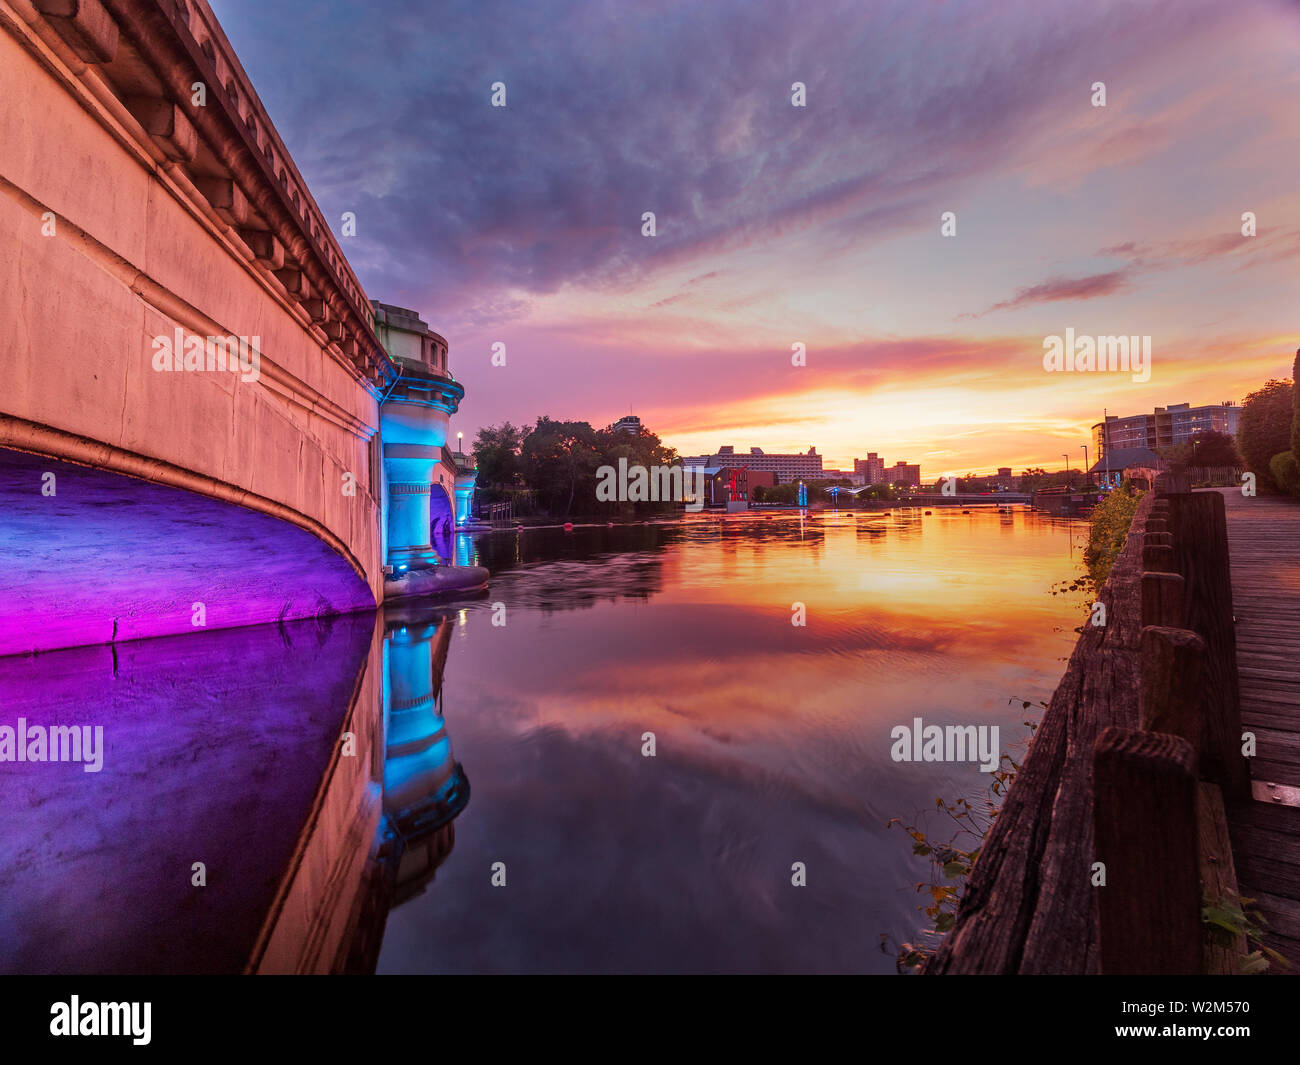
(1264, 550)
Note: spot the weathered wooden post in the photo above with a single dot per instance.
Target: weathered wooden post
(1162, 599)
(1172, 693)
(1144, 813)
(1200, 530)
(1158, 558)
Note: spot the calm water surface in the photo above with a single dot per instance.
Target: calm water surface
(772, 740)
(772, 747)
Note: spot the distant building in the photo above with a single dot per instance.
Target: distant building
(1164, 427)
(903, 473)
(872, 468)
(725, 484)
(629, 423)
(1110, 468)
(1002, 481)
(787, 468)
(852, 476)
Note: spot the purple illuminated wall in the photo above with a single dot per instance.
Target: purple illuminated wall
(111, 558)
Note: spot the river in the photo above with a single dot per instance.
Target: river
(631, 757)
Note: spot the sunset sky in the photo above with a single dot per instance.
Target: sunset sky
(818, 225)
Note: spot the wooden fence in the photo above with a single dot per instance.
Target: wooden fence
(1113, 833)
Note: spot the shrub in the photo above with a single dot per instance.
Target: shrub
(1286, 472)
(1108, 531)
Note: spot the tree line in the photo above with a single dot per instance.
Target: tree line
(551, 466)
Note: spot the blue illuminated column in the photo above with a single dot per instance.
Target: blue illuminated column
(464, 493)
(413, 426)
(409, 468)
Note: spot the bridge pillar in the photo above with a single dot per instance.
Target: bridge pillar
(464, 494)
(413, 423)
(409, 470)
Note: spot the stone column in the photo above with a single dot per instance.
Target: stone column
(464, 494)
(409, 468)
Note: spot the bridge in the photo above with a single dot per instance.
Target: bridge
(1163, 784)
(205, 421)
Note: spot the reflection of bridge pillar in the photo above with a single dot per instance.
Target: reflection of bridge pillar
(424, 785)
(409, 468)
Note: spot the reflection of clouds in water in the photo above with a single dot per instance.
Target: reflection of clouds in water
(618, 862)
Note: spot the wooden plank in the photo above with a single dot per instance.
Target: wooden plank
(1283, 914)
(1223, 953)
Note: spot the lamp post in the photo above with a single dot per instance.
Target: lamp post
(1085, 457)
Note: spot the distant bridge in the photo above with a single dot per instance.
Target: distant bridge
(937, 499)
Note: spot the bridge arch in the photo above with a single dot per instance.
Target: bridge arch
(104, 554)
(442, 523)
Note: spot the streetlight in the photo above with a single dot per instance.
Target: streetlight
(1085, 457)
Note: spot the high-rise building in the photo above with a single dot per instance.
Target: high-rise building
(788, 468)
(902, 473)
(629, 423)
(872, 468)
(1164, 427)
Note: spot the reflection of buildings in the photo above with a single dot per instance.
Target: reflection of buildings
(424, 789)
(1164, 427)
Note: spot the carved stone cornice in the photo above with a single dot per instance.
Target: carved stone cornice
(151, 53)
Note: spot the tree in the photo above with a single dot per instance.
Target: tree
(496, 451)
(643, 448)
(1033, 478)
(1264, 428)
(557, 459)
(1213, 448)
(1209, 447)
(1295, 409)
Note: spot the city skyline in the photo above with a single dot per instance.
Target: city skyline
(819, 225)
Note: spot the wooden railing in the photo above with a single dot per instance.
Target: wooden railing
(1113, 832)
(497, 513)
